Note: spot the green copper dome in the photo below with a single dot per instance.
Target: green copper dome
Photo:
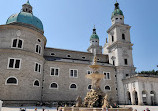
(117, 11)
(26, 16)
(94, 35)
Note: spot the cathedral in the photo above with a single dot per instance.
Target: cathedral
(31, 73)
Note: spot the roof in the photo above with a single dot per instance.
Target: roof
(26, 17)
(62, 55)
(117, 11)
(94, 35)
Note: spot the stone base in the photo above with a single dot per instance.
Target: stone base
(94, 109)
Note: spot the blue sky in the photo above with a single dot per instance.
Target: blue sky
(68, 24)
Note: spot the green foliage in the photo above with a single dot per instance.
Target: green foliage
(153, 72)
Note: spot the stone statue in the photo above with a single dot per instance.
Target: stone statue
(96, 84)
(78, 101)
(106, 103)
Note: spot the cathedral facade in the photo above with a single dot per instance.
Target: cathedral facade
(31, 73)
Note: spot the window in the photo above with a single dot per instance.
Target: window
(36, 83)
(69, 56)
(120, 18)
(38, 67)
(12, 81)
(83, 57)
(54, 86)
(17, 43)
(116, 18)
(107, 88)
(113, 62)
(112, 38)
(127, 75)
(107, 75)
(123, 36)
(14, 63)
(125, 61)
(89, 87)
(54, 71)
(89, 72)
(39, 40)
(73, 73)
(73, 86)
(52, 54)
(38, 49)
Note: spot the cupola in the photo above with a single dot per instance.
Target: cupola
(117, 15)
(94, 35)
(26, 18)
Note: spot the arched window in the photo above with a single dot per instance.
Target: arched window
(90, 86)
(36, 83)
(123, 36)
(144, 97)
(54, 86)
(73, 86)
(12, 81)
(107, 88)
(17, 43)
(69, 56)
(153, 97)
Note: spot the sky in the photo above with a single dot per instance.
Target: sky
(68, 24)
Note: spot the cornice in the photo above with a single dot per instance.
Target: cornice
(19, 51)
(118, 44)
(118, 25)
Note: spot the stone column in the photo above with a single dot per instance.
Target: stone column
(140, 98)
(149, 98)
(132, 98)
(1, 102)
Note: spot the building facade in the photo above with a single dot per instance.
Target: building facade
(31, 73)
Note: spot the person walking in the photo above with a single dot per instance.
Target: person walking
(60, 109)
(57, 107)
(35, 109)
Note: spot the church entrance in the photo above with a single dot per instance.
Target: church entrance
(144, 97)
(128, 98)
(152, 95)
(135, 95)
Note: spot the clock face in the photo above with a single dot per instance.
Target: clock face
(18, 33)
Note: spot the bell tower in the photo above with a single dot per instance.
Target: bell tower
(119, 49)
(94, 43)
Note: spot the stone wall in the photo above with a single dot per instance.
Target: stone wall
(64, 80)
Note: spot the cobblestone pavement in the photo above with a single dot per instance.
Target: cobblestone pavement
(142, 108)
(27, 109)
(139, 108)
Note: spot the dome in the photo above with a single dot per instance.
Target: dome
(117, 11)
(94, 35)
(26, 16)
